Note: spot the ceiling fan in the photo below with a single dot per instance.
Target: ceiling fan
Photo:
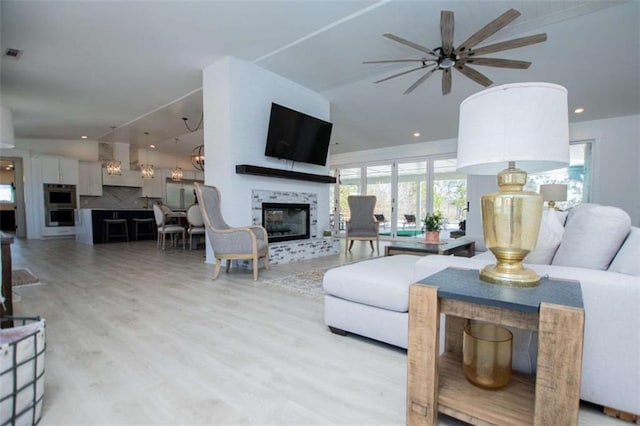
(447, 56)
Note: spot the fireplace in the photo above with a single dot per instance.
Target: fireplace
(286, 221)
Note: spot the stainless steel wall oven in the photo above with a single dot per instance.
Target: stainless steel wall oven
(59, 204)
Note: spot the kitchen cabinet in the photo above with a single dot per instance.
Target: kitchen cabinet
(58, 170)
(90, 178)
(98, 216)
(58, 231)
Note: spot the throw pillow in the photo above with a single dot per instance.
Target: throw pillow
(549, 237)
(592, 236)
(627, 261)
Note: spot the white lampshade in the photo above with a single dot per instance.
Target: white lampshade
(523, 122)
(7, 138)
(554, 192)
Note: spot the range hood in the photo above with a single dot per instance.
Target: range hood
(120, 152)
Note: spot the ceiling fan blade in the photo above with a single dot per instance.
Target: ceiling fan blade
(420, 81)
(389, 61)
(446, 81)
(446, 31)
(506, 45)
(399, 74)
(410, 44)
(474, 75)
(488, 30)
(495, 62)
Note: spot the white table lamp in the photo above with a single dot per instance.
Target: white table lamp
(523, 123)
(553, 192)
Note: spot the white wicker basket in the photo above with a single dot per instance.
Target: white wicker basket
(22, 350)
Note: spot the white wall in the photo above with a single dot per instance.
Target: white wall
(616, 168)
(441, 147)
(237, 97)
(616, 165)
(85, 150)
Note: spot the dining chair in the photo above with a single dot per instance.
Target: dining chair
(230, 243)
(362, 224)
(165, 228)
(196, 224)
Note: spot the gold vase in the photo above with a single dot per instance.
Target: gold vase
(511, 222)
(486, 355)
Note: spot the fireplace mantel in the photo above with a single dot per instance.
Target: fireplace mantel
(246, 169)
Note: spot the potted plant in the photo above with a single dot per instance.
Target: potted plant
(433, 225)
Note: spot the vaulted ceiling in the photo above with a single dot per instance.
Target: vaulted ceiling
(87, 66)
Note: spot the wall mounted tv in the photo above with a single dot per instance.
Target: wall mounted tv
(296, 136)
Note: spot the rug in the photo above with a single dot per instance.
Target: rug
(307, 283)
(23, 277)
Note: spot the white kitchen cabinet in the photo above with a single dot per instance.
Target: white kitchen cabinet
(58, 170)
(90, 178)
(58, 231)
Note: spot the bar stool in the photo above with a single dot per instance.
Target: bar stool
(149, 231)
(120, 224)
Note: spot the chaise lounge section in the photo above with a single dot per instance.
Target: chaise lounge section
(596, 246)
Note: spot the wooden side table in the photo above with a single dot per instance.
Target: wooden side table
(437, 384)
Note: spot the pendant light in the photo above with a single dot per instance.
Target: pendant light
(176, 174)
(113, 166)
(147, 169)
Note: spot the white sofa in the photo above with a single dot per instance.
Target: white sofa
(596, 246)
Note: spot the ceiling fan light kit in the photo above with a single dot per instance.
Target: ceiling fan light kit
(447, 57)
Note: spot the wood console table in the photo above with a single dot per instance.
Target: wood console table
(437, 383)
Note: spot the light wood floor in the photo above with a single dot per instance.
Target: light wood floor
(137, 335)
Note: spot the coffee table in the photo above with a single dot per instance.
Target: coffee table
(458, 247)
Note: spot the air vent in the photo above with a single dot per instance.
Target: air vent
(13, 53)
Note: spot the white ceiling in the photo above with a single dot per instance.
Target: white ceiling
(90, 65)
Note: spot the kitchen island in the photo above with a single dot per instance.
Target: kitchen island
(90, 222)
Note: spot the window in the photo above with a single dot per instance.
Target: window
(577, 176)
(6, 193)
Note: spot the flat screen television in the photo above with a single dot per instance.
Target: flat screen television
(297, 136)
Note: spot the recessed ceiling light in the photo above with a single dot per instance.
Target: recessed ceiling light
(152, 146)
(416, 135)
(578, 110)
(84, 137)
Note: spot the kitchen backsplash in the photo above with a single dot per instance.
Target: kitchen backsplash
(118, 197)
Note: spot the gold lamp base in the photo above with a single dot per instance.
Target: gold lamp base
(511, 222)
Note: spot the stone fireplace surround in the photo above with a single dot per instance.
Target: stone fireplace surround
(292, 251)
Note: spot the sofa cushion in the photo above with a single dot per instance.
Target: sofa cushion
(592, 236)
(382, 282)
(549, 237)
(627, 260)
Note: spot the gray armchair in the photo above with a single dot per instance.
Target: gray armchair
(248, 242)
(362, 224)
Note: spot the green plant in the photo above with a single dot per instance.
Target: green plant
(433, 222)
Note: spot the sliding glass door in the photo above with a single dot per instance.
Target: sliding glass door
(379, 184)
(412, 199)
(406, 191)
